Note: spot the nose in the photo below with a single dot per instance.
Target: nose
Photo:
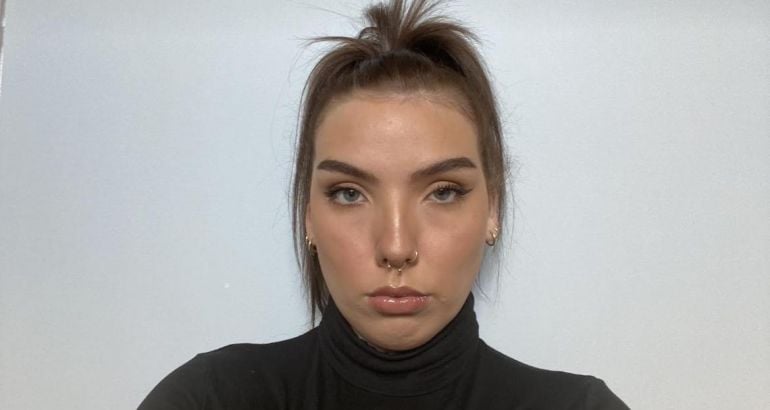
(396, 242)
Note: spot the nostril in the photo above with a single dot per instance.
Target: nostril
(404, 262)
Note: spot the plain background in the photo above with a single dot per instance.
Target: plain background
(145, 149)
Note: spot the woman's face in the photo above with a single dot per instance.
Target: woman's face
(399, 212)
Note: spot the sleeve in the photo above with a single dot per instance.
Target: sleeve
(600, 397)
(186, 388)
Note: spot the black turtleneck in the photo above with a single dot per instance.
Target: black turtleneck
(329, 367)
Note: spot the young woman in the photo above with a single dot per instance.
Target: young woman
(399, 192)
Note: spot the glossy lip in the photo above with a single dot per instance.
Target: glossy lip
(399, 292)
(398, 301)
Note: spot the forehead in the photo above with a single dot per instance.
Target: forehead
(403, 129)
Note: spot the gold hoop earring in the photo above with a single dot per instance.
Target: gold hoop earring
(310, 245)
(491, 242)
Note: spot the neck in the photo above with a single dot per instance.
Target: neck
(425, 368)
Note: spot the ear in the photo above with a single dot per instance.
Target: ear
(493, 222)
(308, 222)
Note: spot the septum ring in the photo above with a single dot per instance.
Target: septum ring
(407, 262)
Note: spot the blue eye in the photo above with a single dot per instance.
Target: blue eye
(448, 194)
(345, 196)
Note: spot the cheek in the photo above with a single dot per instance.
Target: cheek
(455, 244)
(342, 241)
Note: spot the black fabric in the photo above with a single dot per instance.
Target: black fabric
(329, 367)
(425, 369)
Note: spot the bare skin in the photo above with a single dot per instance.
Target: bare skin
(396, 174)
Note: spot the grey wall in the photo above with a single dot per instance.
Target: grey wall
(145, 149)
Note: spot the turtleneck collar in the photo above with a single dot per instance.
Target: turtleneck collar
(413, 372)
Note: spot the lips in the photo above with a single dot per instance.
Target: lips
(398, 301)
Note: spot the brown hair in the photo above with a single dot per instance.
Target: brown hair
(402, 49)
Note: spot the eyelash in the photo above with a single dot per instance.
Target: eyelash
(331, 193)
(459, 192)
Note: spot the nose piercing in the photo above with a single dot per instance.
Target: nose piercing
(407, 262)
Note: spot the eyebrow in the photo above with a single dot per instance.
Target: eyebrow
(345, 168)
(440, 167)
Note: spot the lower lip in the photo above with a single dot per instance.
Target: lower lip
(406, 305)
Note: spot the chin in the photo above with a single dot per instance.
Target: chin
(399, 333)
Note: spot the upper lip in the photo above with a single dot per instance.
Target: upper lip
(396, 292)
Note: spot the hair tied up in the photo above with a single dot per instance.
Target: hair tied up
(402, 48)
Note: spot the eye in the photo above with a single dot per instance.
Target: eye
(448, 193)
(345, 195)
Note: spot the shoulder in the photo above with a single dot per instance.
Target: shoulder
(542, 388)
(242, 372)
(269, 358)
